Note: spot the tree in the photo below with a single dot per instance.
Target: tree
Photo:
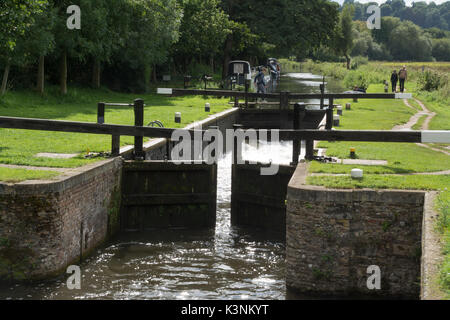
(388, 25)
(423, 14)
(436, 33)
(15, 18)
(95, 41)
(397, 6)
(302, 28)
(283, 27)
(39, 41)
(379, 52)
(361, 44)
(343, 39)
(203, 30)
(386, 9)
(441, 49)
(67, 41)
(150, 28)
(408, 42)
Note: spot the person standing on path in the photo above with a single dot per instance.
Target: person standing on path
(260, 81)
(402, 76)
(394, 80)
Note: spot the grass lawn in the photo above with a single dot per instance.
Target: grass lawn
(418, 125)
(401, 157)
(18, 175)
(374, 114)
(442, 120)
(414, 104)
(378, 181)
(20, 146)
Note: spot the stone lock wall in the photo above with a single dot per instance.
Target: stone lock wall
(333, 236)
(47, 225)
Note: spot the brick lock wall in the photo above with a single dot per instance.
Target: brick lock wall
(333, 236)
(42, 225)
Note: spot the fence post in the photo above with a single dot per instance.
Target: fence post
(168, 156)
(309, 155)
(115, 145)
(236, 102)
(322, 92)
(139, 122)
(299, 115)
(101, 113)
(329, 124)
(247, 84)
(284, 100)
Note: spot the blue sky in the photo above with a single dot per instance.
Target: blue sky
(408, 2)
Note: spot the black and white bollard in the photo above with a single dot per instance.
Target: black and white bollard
(207, 107)
(336, 121)
(177, 117)
(348, 106)
(339, 110)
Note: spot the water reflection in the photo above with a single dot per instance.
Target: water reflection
(307, 83)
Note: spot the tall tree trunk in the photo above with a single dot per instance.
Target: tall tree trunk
(154, 74)
(5, 78)
(41, 75)
(348, 61)
(211, 63)
(147, 76)
(63, 73)
(227, 55)
(96, 74)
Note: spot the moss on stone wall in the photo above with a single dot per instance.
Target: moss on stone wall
(15, 263)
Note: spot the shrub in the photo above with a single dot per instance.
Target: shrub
(359, 61)
(356, 78)
(431, 80)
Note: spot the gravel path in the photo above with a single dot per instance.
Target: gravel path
(415, 118)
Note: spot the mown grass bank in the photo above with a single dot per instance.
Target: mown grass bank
(18, 175)
(402, 158)
(19, 147)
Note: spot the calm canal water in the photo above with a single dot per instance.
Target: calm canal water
(225, 263)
